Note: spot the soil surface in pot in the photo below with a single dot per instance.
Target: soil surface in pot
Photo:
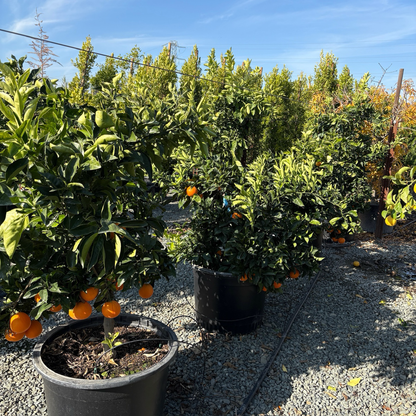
(77, 353)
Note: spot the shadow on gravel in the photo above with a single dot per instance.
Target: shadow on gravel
(358, 323)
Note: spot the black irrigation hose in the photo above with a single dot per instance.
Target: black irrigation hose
(275, 352)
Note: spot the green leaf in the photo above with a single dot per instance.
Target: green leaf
(14, 168)
(71, 169)
(96, 251)
(117, 241)
(86, 248)
(37, 312)
(298, 202)
(31, 108)
(11, 230)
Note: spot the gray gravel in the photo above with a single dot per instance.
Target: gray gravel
(358, 323)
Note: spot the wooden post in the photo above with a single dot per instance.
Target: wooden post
(169, 48)
(388, 161)
(83, 74)
(131, 67)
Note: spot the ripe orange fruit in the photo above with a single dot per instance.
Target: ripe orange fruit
(264, 289)
(12, 336)
(146, 291)
(295, 274)
(219, 252)
(338, 231)
(334, 239)
(191, 191)
(390, 221)
(90, 294)
(356, 264)
(236, 215)
(243, 278)
(277, 285)
(71, 314)
(111, 309)
(37, 297)
(56, 308)
(20, 322)
(341, 240)
(35, 330)
(318, 164)
(82, 310)
(119, 287)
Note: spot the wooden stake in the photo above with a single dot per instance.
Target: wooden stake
(131, 67)
(388, 161)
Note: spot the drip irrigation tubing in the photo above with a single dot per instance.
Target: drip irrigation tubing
(276, 351)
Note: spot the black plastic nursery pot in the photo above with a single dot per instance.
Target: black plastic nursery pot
(223, 303)
(138, 394)
(368, 219)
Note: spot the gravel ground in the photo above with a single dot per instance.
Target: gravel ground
(358, 323)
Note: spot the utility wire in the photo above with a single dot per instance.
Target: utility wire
(110, 56)
(128, 61)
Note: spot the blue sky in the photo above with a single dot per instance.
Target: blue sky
(362, 34)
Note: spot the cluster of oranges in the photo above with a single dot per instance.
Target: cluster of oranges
(335, 236)
(21, 325)
(293, 275)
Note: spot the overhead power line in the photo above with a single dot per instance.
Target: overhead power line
(111, 56)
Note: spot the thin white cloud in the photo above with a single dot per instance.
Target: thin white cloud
(231, 11)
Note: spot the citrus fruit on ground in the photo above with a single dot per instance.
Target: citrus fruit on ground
(12, 336)
(82, 310)
(341, 240)
(295, 274)
(37, 297)
(191, 190)
(390, 221)
(243, 278)
(56, 308)
(146, 291)
(356, 264)
(20, 322)
(35, 330)
(277, 285)
(89, 294)
(111, 309)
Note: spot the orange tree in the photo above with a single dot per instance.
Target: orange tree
(343, 147)
(257, 222)
(80, 218)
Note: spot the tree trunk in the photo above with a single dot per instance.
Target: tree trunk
(108, 328)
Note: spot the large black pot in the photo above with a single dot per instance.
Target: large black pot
(138, 394)
(368, 219)
(223, 303)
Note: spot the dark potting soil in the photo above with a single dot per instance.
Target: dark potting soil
(77, 353)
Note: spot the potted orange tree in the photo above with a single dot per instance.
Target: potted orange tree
(341, 142)
(83, 228)
(250, 230)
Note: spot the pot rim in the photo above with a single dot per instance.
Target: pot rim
(83, 384)
(213, 272)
